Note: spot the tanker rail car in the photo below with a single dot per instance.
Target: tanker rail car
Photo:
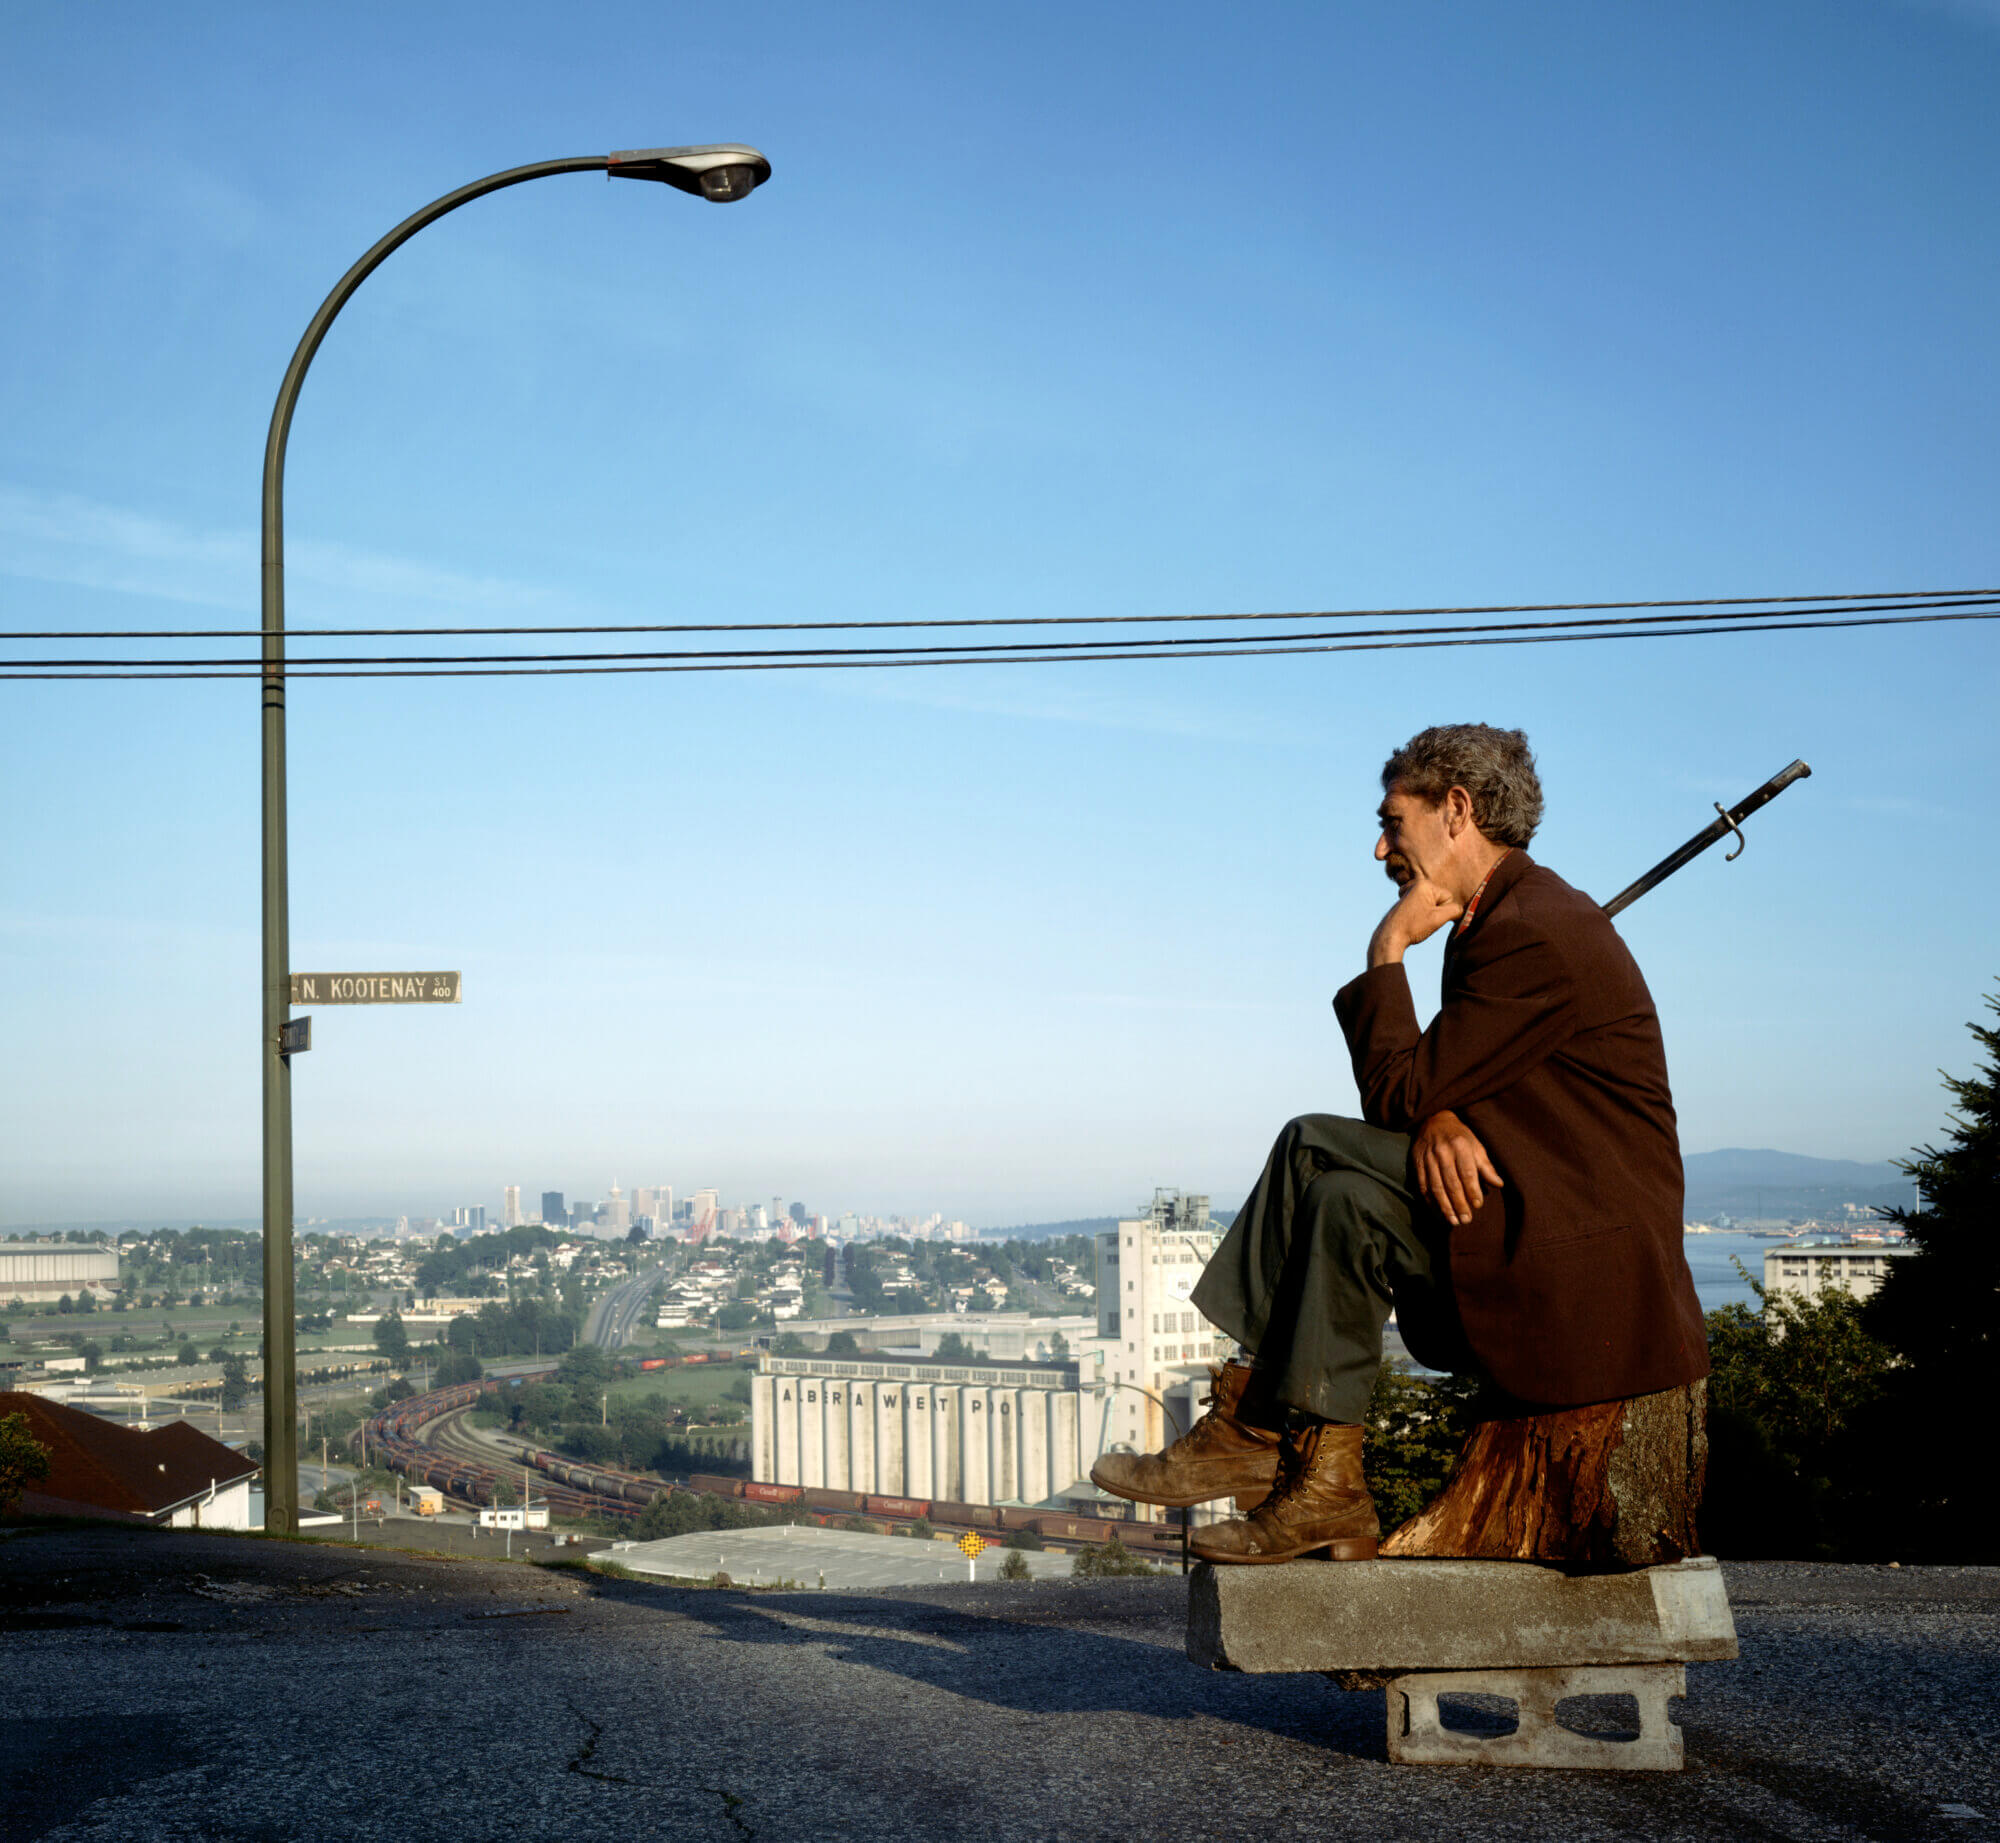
(604, 1481)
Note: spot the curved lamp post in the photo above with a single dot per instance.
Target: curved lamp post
(1172, 1423)
(719, 174)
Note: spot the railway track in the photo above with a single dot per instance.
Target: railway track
(426, 1438)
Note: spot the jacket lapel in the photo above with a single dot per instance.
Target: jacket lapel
(1508, 872)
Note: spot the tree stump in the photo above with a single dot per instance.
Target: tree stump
(1613, 1485)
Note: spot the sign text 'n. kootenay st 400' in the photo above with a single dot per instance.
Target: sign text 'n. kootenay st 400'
(375, 988)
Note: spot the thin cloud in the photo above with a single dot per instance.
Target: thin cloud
(62, 537)
(1984, 14)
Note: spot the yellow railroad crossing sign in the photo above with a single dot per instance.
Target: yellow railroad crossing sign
(972, 1545)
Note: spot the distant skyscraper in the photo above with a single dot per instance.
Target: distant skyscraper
(510, 1208)
(553, 1212)
(617, 1215)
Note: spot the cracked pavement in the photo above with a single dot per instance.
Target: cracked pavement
(188, 1685)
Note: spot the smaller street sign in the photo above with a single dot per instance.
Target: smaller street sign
(972, 1545)
(296, 1037)
(375, 988)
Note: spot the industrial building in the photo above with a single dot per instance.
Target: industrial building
(1022, 1429)
(41, 1272)
(987, 1432)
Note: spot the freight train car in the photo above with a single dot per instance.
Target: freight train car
(907, 1508)
(975, 1516)
(714, 1486)
(773, 1494)
(822, 1499)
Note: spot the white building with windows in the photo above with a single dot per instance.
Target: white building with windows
(1811, 1269)
(1155, 1349)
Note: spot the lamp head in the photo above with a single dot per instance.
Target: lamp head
(719, 174)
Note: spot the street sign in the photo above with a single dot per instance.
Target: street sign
(972, 1545)
(296, 1037)
(375, 988)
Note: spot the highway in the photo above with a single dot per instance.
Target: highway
(612, 1318)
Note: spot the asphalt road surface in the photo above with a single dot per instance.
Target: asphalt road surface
(198, 1686)
(613, 1317)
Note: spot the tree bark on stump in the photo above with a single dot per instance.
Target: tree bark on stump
(1613, 1485)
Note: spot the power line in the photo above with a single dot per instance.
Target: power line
(972, 653)
(1942, 597)
(808, 662)
(993, 648)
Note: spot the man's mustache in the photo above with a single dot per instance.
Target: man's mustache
(1398, 869)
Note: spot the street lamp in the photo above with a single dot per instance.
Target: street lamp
(1172, 1422)
(720, 174)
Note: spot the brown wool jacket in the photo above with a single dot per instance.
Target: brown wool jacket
(1570, 1279)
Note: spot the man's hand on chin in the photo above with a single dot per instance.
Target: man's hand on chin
(1419, 912)
(1451, 1165)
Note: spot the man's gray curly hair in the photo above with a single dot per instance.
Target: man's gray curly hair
(1495, 767)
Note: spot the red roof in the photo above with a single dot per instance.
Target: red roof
(98, 1469)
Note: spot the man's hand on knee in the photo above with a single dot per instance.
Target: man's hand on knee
(1451, 1167)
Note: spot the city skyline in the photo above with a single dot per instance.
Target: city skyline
(1370, 307)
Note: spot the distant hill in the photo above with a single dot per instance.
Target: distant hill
(1044, 1231)
(1737, 1181)
(1083, 1225)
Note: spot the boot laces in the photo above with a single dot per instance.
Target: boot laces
(1294, 1471)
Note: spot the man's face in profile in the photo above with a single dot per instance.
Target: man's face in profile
(1413, 842)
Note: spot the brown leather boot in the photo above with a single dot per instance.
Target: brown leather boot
(1224, 1453)
(1321, 1503)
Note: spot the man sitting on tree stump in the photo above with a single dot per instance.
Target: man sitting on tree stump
(1513, 1192)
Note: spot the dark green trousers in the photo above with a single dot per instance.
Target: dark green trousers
(1332, 1239)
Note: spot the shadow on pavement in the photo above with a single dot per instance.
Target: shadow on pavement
(1046, 1649)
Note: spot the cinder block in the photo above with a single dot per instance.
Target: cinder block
(1418, 1738)
(1400, 1616)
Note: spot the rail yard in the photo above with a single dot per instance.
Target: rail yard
(424, 1438)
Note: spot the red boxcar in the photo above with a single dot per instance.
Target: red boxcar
(983, 1516)
(652, 1362)
(906, 1507)
(773, 1494)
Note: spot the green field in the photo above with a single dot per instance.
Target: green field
(705, 1387)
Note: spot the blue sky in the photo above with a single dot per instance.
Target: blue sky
(1047, 310)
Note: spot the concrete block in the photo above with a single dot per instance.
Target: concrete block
(1399, 1616)
(1417, 1737)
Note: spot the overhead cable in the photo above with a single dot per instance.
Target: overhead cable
(1942, 597)
(809, 661)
